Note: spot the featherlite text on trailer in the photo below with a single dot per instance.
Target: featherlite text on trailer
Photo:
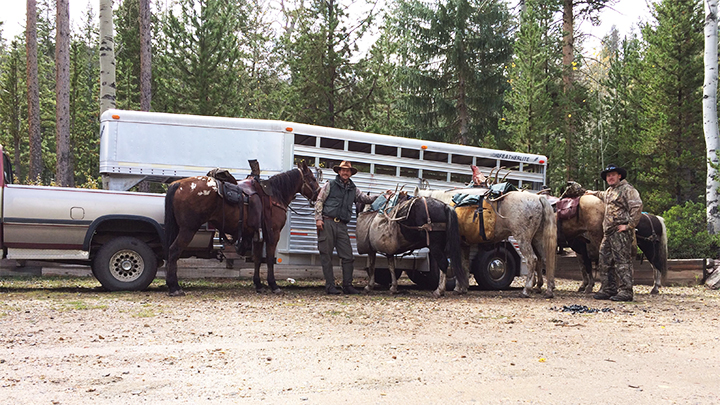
(162, 147)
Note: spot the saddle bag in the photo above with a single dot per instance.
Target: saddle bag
(567, 208)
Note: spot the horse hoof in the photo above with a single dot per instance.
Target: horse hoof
(367, 289)
(460, 291)
(589, 290)
(277, 291)
(524, 294)
(654, 291)
(177, 293)
(437, 293)
(582, 289)
(549, 294)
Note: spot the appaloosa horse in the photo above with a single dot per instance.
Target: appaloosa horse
(583, 233)
(193, 201)
(527, 217)
(413, 224)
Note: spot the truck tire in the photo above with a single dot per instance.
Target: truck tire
(125, 264)
(494, 269)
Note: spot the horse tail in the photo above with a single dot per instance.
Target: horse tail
(549, 240)
(662, 254)
(452, 245)
(171, 226)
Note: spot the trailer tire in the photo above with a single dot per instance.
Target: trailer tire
(429, 280)
(383, 277)
(125, 264)
(494, 269)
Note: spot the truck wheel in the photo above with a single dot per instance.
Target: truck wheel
(382, 275)
(125, 264)
(494, 269)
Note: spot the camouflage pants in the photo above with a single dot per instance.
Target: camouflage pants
(615, 265)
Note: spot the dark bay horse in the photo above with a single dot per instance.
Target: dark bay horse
(583, 234)
(413, 224)
(193, 201)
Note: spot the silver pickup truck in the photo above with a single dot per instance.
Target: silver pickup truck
(119, 234)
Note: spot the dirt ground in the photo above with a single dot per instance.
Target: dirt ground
(65, 341)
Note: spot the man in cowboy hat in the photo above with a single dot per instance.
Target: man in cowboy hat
(333, 211)
(623, 208)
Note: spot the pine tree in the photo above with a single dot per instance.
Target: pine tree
(64, 169)
(11, 106)
(199, 67)
(673, 76)
(453, 54)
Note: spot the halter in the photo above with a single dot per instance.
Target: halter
(305, 184)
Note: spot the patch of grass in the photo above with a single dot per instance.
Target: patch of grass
(80, 306)
(145, 313)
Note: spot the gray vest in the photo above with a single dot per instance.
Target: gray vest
(340, 200)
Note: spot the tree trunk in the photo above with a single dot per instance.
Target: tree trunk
(568, 51)
(33, 93)
(145, 55)
(64, 170)
(710, 119)
(107, 57)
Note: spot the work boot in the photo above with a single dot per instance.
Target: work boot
(622, 296)
(604, 294)
(332, 290)
(350, 290)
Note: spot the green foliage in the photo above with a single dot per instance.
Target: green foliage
(452, 55)
(198, 66)
(673, 168)
(688, 236)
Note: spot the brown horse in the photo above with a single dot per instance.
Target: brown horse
(583, 233)
(193, 201)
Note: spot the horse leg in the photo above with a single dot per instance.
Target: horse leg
(394, 283)
(270, 247)
(371, 272)
(171, 280)
(532, 261)
(657, 278)
(438, 256)
(257, 259)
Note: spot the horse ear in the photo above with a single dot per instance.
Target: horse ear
(302, 165)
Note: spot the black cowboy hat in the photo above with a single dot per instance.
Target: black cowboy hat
(613, 168)
(345, 165)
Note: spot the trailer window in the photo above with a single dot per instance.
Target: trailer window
(386, 150)
(435, 175)
(331, 143)
(460, 178)
(531, 168)
(462, 159)
(509, 165)
(409, 172)
(307, 140)
(483, 162)
(328, 163)
(410, 153)
(359, 147)
(436, 156)
(385, 170)
(362, 167)
(309, 160)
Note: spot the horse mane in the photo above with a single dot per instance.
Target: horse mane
(285, 184)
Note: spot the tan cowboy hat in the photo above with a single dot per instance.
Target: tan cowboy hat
(345, 165)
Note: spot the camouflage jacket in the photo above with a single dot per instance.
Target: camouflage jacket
(623, 206)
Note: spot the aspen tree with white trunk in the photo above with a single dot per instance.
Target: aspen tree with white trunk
(107, 57)
(710, 118)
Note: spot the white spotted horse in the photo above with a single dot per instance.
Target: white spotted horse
(258, 208)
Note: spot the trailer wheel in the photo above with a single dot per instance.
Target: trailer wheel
(429, 280)
(382, 275)
(125, 264)
(494, 269)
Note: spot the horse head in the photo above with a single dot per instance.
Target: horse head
(573, 189)
(310, 187)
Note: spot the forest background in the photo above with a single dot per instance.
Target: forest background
(473, 72)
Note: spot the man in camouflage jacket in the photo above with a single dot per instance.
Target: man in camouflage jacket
(623, 208)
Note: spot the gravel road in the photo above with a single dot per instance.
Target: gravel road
(65, 341)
